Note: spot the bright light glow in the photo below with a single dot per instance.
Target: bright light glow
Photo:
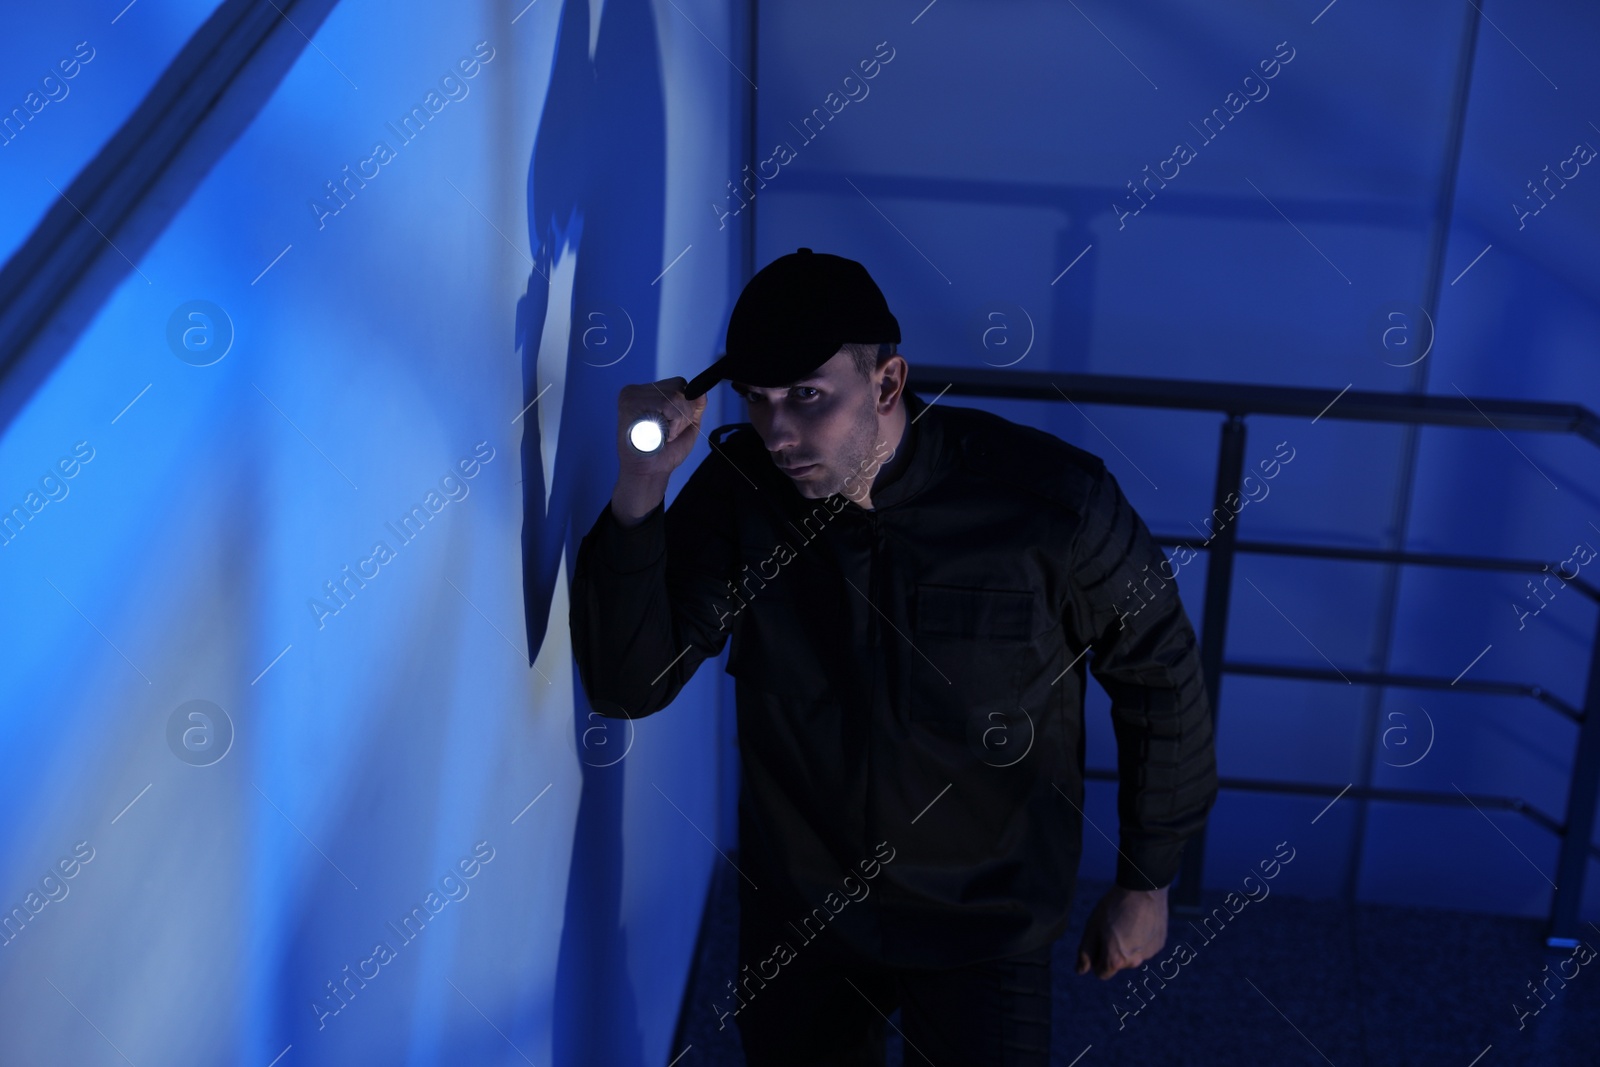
(646, 434)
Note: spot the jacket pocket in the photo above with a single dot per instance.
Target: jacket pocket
(964, 612)
(972, 643)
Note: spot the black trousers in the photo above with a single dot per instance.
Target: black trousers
(826, 1006)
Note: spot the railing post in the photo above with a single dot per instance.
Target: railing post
(1214, 628)
(1579, 823)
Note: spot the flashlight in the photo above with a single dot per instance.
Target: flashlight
(648, 432)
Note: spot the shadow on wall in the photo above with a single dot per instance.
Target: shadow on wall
(596, 205)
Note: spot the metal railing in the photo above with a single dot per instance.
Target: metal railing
(1235, 402)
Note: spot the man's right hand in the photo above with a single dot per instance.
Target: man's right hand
(642, 478)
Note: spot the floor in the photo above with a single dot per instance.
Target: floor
(1287, 982)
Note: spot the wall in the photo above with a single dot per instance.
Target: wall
(331, 340)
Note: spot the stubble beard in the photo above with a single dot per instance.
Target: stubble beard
(852, 459)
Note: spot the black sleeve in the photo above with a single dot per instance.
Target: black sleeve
(649, 603)
(1146, 657)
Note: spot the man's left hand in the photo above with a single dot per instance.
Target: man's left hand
(1126, 928)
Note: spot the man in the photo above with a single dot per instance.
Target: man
(910, 592)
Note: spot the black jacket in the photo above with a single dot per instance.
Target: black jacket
(910, 679)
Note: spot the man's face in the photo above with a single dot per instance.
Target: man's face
(826, 422)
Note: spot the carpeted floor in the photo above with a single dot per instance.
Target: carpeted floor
(1285, 982)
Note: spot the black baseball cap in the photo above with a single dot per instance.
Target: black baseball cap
(793, 316)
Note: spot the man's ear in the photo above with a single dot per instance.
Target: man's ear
(894, 380)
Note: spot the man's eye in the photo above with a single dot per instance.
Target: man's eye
(756, 398)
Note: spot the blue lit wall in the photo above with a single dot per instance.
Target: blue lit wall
(241, 742)
(74, 72)
(309, 431)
